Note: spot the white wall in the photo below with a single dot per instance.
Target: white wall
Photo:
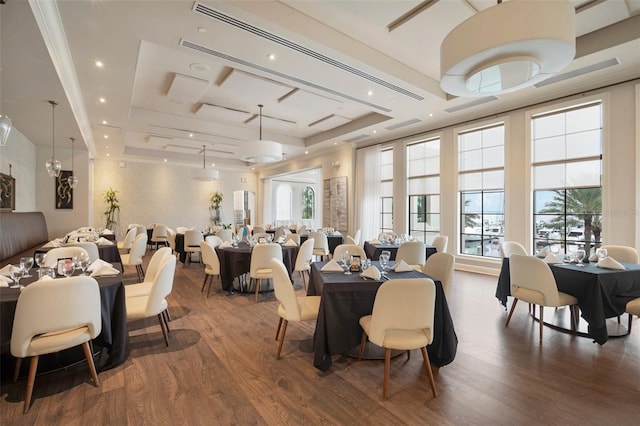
(20, 152)
(163, 193)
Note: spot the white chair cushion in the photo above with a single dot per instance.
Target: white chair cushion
(137, 290)
(58, 340)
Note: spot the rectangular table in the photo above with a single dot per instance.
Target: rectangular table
(112, 338)
(347, 298)
(601, 293)
(373, 251)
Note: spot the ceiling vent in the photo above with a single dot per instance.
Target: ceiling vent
(472, 104)
(356, 138)
(580, 71)
(403, 124)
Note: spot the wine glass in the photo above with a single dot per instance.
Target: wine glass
(601, 253)
(67, 267)
(384, 262)
(345, 257)
(580, 253)
(28, 264)
(81, 262)
(39, 259)
(16, 272)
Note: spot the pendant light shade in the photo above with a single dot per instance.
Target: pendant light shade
(536, 39)
(260, 151)
(205, 174)
(53, 166)
(5, 129)
(73, 179)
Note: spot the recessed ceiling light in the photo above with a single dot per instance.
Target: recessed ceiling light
(106, 136)
(102, 100)
(202, 30)
(213, 164)
(253, 168)
(107, 147)
(335, 143)
(271, 56)
(306, 152)
(190, 135)
(165, 160)
(108, 155)
(104, 122)
(370, 93)
(99, 64)
(430, 114)
(375, 131)
(200, 67)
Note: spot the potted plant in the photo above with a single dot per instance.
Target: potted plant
(215, 201)
(111, 198)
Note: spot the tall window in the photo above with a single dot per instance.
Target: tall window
(481, 186)
(386, 190)
(308, 203)
(423, 188)
(566, 171)
(283, 203)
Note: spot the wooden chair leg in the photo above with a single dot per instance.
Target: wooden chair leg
(258, 281)
(284, 331)
(31, 378)
(92, 366)
(387, 366)
(513, 306)
(541, 320)
(166, 314)
(427, 364)
(408, 355)
(362, 343)
(16, 370)
(164, 331)
(279, 326)
(304, 281)
(204, 283)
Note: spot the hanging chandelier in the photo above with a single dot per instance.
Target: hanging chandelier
(260, 151)
(53, 166)
(73, 179)
(205, 174)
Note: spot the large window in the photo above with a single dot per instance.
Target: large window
(423, 188)
(308, 203)
(386, 190)
(481, 186)
(566, 171)
(283, 203)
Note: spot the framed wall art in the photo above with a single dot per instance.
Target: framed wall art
(64, 193)
(7, 192)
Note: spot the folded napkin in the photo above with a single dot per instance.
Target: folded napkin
(376, 241)
(593, 258)
(290, 243)
(98, 264)
(53, 243)
(4, 282)
(107, 232)
(402, 266)
(551, 258)
(332, 266)
(609, 263)
(105, 270)
(102, 241)
(371, 272)
(336, 233)
(225, 244)
(543, 253)
(6, 271)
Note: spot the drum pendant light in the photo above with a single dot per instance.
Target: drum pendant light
(205, 174)
(260, 151)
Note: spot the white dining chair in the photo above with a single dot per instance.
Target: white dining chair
(135, 255)
(260, 268)
(211, 264)
(303, 261)
(125, 244)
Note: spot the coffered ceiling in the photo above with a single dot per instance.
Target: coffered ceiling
(179, 75)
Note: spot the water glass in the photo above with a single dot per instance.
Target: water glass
(601, 253)
(44, 272)
(580, 254)
(384, 262)
(39, 259)
(66, 267)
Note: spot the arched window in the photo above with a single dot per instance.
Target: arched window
(308, 203)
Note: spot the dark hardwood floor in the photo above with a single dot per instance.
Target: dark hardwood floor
(220, 368)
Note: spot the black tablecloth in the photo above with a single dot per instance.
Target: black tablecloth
(373, 250)
(112, 338)
(601, 293)
(109, 253)
(236, 261)
(333, 240)
(347, 298)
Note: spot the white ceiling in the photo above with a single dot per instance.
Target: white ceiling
(181, 74)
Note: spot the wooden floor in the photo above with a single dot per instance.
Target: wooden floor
(221, 369)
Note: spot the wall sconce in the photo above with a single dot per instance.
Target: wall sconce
(336, 164)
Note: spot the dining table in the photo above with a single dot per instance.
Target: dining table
(373, 250)
(236, 261)
(107, 252)
(345, 298)
(110, 346)
(334, 240)
(602, 293)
